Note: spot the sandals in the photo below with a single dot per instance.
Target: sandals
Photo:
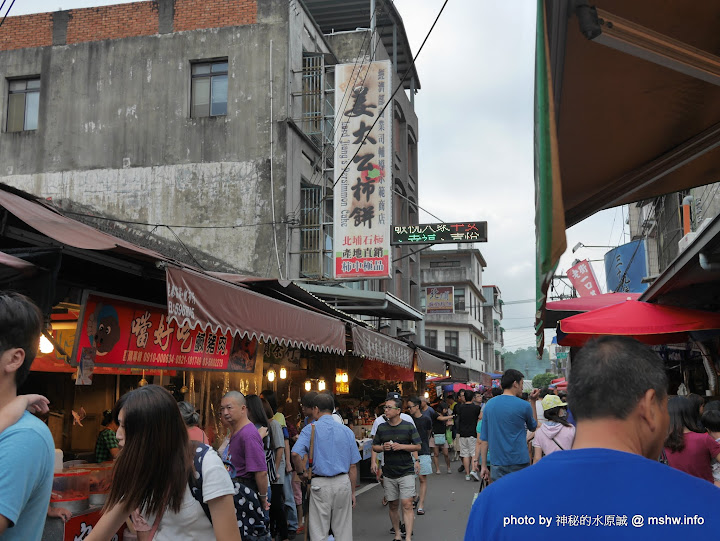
(420, 511)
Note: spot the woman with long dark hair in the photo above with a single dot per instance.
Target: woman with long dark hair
(688, 447)
(556, 433)
(153, 473)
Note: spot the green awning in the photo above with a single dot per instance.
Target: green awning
(549, 214)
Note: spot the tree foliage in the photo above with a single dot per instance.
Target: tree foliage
(543, 380)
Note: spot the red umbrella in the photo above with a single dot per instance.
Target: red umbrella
(649, 323)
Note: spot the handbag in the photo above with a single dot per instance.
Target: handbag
(440, 439)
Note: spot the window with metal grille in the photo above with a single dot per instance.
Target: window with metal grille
(459, 294)
(313, 96)
(431, 339)
(310, 229)
(209, 92)
(23, 104)
(451, 342)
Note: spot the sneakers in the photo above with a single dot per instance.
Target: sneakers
(474, 475)
(461, 468)
(449, 471)
(467, 477)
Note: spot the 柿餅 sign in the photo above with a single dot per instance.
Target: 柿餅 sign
(363, 166)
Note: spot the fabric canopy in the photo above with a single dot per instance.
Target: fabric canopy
(649, 323)
(459, 373)
(197, 299)
(380, 347)
(51, 223)
(12, 267)
(429, 363)
(558, 310)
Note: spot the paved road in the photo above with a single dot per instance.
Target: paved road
(447, 507)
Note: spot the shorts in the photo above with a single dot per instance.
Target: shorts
(497, 472)
(297, 492)
(425, 465)
(439, 440)
(467, 446)
(402, 488)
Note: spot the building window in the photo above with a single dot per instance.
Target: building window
(451, 342)
(472, 347)
(310, 249)
(437, 264)
(209, 92)
(459, 299)
(23, 104)
(431, 339)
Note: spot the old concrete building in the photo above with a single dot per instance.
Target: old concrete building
(492, 320)
(461, 332)
(206, 121)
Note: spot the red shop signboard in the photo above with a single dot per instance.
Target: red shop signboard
(122, 332)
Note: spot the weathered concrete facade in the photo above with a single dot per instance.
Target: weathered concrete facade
(115, 132)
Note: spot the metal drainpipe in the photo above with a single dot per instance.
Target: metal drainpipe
(709, 368)
(706, 263)
(687, 225)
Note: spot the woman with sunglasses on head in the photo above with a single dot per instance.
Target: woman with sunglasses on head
(153, 474)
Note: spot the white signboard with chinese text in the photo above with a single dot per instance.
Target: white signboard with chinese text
(363, 155)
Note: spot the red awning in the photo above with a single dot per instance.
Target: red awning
(198, 299)
(384, 371)
(649, 323)
(377, 346)
(585, 304)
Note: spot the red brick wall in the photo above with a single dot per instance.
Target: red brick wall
(26, 31)
(112, 22)
(193, 14)
(124, 21)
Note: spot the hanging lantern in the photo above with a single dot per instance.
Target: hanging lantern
(46, 345)
(271, 375)
(321, 385)
(344, 377)
(283, 373)
(308, 385)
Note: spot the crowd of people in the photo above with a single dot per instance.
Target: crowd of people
(637, 458)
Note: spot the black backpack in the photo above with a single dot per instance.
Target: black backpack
(248, 510)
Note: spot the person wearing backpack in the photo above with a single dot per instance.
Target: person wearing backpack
(556, 433)
(155, 471)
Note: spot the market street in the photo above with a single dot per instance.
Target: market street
(447, 507)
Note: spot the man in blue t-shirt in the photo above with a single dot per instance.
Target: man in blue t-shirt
(506, 420)
(26, 448)
(612, 483)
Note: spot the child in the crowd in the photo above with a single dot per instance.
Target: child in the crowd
(711, 421)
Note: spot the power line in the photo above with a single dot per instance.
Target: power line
(7, 12)
(156, 225)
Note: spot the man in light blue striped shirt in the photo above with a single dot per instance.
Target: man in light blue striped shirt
(334, 472)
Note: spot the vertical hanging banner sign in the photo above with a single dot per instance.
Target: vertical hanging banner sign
(363, 155)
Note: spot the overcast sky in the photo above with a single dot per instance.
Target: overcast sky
(475, 111)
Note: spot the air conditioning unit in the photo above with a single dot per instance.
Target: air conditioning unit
(408, 327)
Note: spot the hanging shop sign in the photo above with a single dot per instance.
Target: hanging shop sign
(123, 332)
(439, 300)
(444, 233)
(582, 277)
(363, 167)
(625, 268)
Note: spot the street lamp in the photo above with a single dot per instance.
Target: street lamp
(581, 245)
